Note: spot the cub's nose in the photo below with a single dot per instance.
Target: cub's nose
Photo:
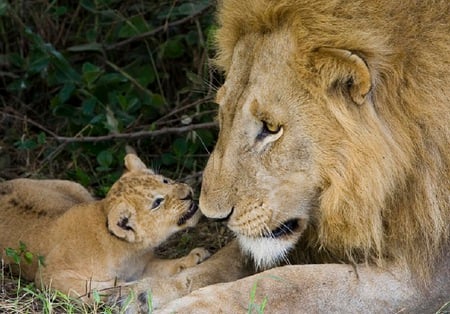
(185, 192)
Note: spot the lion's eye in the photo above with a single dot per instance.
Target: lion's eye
(157, 202)
(271, 128)
(165, 181)
(268, 129)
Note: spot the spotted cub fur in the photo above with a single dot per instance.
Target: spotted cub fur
(92, 244)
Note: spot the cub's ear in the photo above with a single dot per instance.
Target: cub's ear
(122, 222)
(344, 72)
(133, 163)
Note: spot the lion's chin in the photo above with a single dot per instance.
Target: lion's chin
(267, 252)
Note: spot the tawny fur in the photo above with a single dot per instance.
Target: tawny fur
(334, 123)
(96, 245)
(386, 193)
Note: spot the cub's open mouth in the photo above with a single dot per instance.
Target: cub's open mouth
(286, 228)
(191, 211)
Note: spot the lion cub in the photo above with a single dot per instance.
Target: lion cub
(89, 244)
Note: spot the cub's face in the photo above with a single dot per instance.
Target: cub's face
(147, 208)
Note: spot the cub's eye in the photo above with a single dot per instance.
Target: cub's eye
(269, 129)
(166, 181)
(157, 202)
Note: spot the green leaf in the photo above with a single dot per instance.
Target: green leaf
(38, 63)
(134, 26)
(91, 35)
(22, 247)
(16, 60)
(41, 260)
(98, 118)
(91, 73)
(180, 147)
(96, 296)
(82, 177)
(157, 100)
(105, 158)
(144, 74)
(128, 104)
(18, 85)
(59, 10)
(28, 256)
(89, 67)
(26, 144)
(66, 92)
(186, 9)
(172, 48)
(88, 106)
(41, 138)
(168, 159)
(12, 253)
(4, 7)
(111, 79)
(89, 5)
(94, 46)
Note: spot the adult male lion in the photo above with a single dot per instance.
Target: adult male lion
(334, 139)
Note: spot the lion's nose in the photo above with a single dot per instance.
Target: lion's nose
(226, 218)
(216, 209)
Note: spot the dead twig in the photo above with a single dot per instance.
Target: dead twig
(156, 30)
(136, 135)
(79, 138)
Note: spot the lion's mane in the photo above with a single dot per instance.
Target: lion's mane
(400, 208)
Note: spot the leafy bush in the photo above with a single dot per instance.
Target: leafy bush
(80, 80)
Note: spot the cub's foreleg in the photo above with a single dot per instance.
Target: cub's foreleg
(168, 267)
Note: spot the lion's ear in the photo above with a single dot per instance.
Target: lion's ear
(344, 71)
(122, 222)
(134, 163)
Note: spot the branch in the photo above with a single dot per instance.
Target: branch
(28, 120)
(135, 135)
(156, 30)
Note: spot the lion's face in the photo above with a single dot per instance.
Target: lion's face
(300, 144)
(147, 208)
(263, 171)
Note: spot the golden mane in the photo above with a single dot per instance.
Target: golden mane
(400, 210)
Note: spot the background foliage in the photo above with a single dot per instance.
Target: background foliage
(80, 80)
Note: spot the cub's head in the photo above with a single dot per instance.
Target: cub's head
(144, 207)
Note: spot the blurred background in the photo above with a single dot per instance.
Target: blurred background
(81, 80)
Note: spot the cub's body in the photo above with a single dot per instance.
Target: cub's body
(92, 244)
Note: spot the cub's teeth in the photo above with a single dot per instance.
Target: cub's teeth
(191, 211)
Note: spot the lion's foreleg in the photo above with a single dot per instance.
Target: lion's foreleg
(306, 289)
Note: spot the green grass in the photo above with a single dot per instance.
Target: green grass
(20, 296)
(254, 307)
(445, 309)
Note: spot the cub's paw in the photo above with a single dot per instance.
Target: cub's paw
(196, 256)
